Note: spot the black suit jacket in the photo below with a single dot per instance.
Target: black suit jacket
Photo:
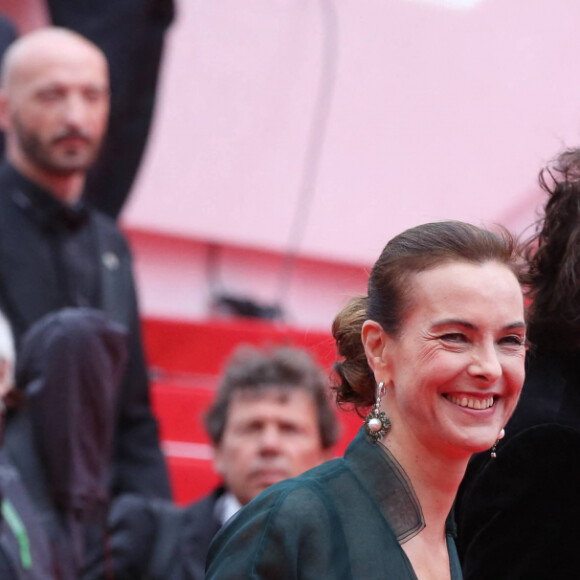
(518, 514)
(156, 540)
(200, 525)
(29, 290)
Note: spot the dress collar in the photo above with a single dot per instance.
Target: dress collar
(386, 482)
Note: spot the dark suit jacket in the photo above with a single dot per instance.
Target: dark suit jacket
(518, 514)
(200, 525)
(29, 290)
(156, 540)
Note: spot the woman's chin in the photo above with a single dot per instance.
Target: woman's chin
(476, 443)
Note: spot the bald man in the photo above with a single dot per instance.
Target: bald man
(55, 252)
(54, 105)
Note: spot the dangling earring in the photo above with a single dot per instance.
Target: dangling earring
(376, 422)
(493, 449)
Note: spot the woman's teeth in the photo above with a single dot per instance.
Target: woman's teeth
(471, 403)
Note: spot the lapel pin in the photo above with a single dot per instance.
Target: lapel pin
(110, 260)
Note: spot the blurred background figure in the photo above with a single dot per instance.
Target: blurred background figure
(24, 547)
(518, 513)
(69, 372)
(56, 251)
(271, 420)
(131, 34)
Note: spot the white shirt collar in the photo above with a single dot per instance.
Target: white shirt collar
(228, 507)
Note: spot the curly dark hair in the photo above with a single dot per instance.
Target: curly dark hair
(553, 253)
(389, 291)
(256, 370)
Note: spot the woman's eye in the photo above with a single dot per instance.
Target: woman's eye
(454, 337)
(513, 339)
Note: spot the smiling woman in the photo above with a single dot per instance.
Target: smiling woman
(437, 350)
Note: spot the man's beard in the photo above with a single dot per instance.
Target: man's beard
(40, 154)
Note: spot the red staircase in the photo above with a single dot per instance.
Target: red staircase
(185, 361)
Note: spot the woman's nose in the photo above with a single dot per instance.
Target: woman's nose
(486, 363)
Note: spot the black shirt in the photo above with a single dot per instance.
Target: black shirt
(67, 229)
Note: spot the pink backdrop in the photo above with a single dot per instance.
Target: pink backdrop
(363, 116)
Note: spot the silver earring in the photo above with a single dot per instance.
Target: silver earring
(376, 422)
(493, 449)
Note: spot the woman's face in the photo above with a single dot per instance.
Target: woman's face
(455, 371)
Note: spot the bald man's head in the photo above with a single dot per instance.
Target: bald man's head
(45, 44)
(54, 102)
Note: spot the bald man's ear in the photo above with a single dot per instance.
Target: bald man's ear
(376, 343)
(5, 378)
(4, 112)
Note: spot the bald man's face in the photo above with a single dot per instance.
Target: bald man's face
(57, 107)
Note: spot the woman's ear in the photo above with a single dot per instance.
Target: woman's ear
(375, 341)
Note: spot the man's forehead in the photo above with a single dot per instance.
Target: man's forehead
(296, 404)
(61, 68)
(58, 78)
(272, 393)
(68, 59)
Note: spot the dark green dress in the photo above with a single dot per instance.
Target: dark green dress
(343, 520)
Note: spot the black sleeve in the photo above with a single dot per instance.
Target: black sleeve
(139, 465)
(131, 532)
(144, 539)
(518, 514)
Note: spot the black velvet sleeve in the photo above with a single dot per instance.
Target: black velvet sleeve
(518, 515)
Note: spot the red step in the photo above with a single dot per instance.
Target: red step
(203, 347)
